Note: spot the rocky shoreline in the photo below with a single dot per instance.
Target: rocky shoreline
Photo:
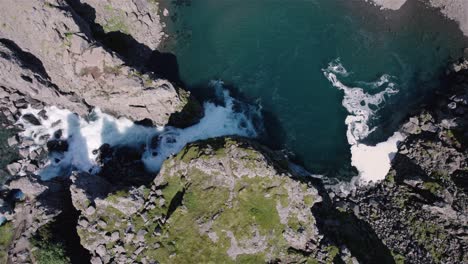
(225, 199)
(452, 9)
(420, 211)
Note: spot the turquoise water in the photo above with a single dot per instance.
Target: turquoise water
(272, 52)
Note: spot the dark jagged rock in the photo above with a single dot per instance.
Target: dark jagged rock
(31, 119)
(123, 165)
(420, 210)
(57, 145)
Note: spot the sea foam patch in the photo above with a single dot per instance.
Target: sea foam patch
(85, 135)
(372, 162)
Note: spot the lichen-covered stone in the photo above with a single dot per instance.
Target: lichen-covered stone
(223, 200)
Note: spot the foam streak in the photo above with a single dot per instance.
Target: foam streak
(372, 162)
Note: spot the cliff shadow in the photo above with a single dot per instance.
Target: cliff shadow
(344, 228)
(407, 171)
(132, 52)
(62, 229)
(121, 162)
(27, 60)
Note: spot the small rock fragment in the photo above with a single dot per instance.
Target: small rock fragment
(30, 118)
(13, 168)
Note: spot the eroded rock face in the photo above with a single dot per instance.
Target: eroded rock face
(39, 204)
(23, 78)
(219, 200)
(138, 18)
(103, 215)
(63, 44)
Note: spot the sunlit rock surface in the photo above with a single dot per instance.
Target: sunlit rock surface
(75, 63)
(224, 200)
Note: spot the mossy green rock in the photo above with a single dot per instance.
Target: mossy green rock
(226, 202)
(223, 200)
(6, 236)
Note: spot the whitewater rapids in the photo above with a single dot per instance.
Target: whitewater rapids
(86, 135)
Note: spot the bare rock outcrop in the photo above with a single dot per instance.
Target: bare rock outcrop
(224, 200)
(22, 77)
(137, 18)
(456, 10)
(30, 204)
(77, 64)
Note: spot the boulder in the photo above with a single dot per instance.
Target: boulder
(13, 168)
(57, 145)
(12, 141)
(30, 118)
(29, 185)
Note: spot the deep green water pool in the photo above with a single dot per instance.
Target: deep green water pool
(272, 52)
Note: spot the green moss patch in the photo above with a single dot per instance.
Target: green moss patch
(427, 234)
(204, 215)
(116, 21)
(6, 235)
(332, 252)
(187, 154)
(112, 216)
(433, 187)
(114, 197)
(48, 250)
(399, 259)
(251, 209)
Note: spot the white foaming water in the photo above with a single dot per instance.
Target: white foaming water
(372, 162)
(86, 135)
(357, 102)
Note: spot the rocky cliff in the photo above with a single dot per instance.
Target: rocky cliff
(222, 200)
(420, 210)
(51, 55)
(52, 40)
